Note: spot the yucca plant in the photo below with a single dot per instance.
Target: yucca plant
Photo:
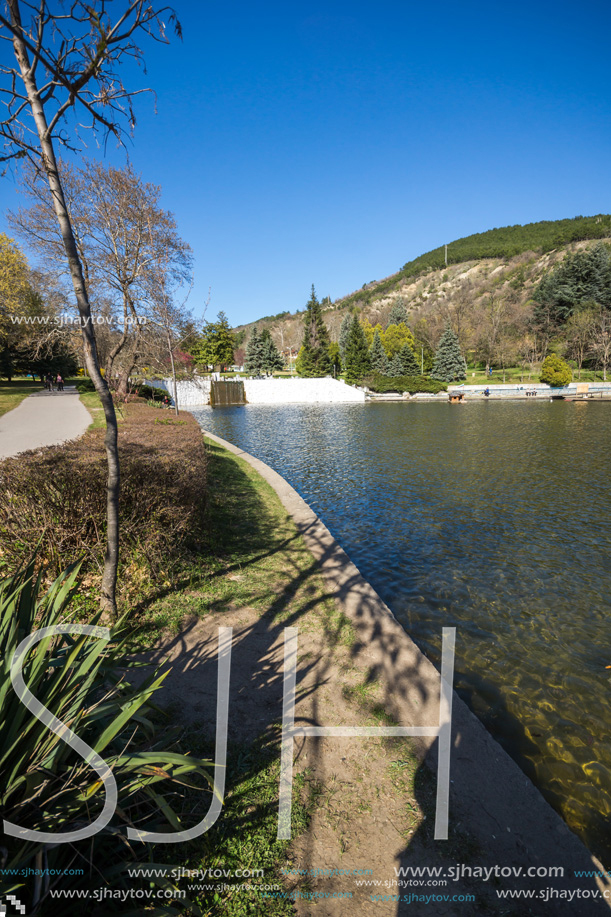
(45, 785)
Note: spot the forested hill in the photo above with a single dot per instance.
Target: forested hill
(503, 266)
(506, 242)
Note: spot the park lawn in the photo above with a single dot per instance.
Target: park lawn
(243, 560)
(517, 375)
(92, 402)
(13, 393)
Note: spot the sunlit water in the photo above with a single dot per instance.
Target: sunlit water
(490, 517)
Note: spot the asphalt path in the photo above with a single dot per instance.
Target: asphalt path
(43, 419)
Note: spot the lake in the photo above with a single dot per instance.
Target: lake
(491, 517)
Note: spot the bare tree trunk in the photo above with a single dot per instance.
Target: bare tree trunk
(174, 385)
(109, 577)
(116, 350)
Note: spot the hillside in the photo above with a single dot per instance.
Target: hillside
(489, 272)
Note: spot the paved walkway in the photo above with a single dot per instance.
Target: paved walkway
(43, 419)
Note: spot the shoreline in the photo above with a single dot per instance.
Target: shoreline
(517, 825)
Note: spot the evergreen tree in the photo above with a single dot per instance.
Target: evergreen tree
(408, 361)
(217, 343)
(582, 277)
(357, 363)
(395, 367)
(314, 359)
(377, 355)
(336, 362)
(344, 331)
(449, 364)
(398, 314)
(271, 356)
(254, 352)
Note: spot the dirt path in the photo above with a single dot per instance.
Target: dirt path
(43, 419)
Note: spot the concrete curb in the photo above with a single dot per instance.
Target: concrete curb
(490, 797)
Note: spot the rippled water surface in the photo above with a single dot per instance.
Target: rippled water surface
(490, 517)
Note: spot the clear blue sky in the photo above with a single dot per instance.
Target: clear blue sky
(329, 143)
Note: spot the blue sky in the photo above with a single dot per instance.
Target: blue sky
(329, 143)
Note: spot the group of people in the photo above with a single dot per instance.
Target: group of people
(50, 382)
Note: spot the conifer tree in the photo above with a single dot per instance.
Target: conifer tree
(398, 314)
(356, 363)
(344, 331)
(449, 364)
(314, 359)
(336, 362)
(408, 361)
(377, 355)
(395, 367)
(271, 356)
(254, 352)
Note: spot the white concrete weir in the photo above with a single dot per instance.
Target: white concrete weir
(270, 391)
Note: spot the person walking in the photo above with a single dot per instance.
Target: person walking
(49, 382)
(60, 383)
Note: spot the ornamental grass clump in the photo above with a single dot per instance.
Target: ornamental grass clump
(81, 679)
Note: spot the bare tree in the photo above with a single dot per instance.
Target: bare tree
(601, 338)
(580, 329)
(123, 234)
(170, 318)
(67, 57)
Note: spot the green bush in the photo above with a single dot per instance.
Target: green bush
(411, 384)
(84, 385)
(46, 785)
(151, 392)
(555, 371)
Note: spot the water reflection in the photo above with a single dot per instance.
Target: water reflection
(490, 517)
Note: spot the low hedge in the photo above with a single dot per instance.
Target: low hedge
(84, 385)
(151, 392)
(412, 384)
(56, 498)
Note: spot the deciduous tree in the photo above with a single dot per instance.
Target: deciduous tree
(66, 63)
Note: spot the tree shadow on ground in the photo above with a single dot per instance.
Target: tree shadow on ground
(271, 582)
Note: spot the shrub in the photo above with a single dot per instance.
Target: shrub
(84, 385)
(151, 392)
(411, 384)
(46, 785)
(555, 371)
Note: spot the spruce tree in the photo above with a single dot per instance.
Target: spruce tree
(254, 352)
(398, 314)
(449, 364)
(395, 367)
(357, 363)
(377, 355)
(271, 356)
(408, 361)
(314, 359)
(344, 331)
